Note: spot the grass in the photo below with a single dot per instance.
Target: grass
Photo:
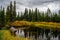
(6, 35)
(47, 25)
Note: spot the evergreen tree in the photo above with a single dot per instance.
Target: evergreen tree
(48, 15)
(42, 17)
(11, 12)
(7, 15)
(18, 16)
(30, 15)
(55, 18)
(26, 14)
(14, 11)
(48, 11)
(59, 15)
(21, 16)
(35, 14)
(39, 16)
(51, 18)
(2, 18)
(33, 19)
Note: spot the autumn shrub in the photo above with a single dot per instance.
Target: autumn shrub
(6, 35)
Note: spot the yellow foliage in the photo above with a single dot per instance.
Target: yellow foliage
(49, 25)
(6, 35)
(20, 24)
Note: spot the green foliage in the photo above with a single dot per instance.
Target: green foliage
(11, 12)
(18, 17)
(2, 18)
(14, 11)
(7, 14)
(35, 15)
(30, 15)
(26, 14)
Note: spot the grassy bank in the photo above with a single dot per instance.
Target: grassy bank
(46, 25)
(6, 35)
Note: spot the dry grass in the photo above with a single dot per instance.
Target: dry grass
(48, 25)
(6, 35)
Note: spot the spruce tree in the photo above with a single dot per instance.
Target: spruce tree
(26, 14)
(48, 15)
(59, 15)
(30, 15)
(42, 16)
(21, 16)
(7, 14)
(18, 16)
(14, 11)
(11, 12)
(33, 19)
(39, 16)
(35, 14)
(2, 18)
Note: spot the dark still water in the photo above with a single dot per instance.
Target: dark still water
(52, 35)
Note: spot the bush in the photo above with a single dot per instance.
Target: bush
(6, 35)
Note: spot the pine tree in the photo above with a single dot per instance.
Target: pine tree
(51, 18)
(14, 11)
(48, 15)
(26, 14)
(11, 12)
(55, 18)
(2, 18)
(30, 15)
(59, 15)
(21, 16)
(48, 11)
(35, 14)
(7, 14)
(18, 16)
(39, 16)
(33, 19)
(42, 16)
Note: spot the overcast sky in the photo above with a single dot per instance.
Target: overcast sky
(42, 5)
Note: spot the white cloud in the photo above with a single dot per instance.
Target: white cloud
(42, 5)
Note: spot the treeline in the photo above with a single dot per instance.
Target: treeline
(9, 15)
(37, 16)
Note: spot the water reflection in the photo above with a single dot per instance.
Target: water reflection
(43, 35)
